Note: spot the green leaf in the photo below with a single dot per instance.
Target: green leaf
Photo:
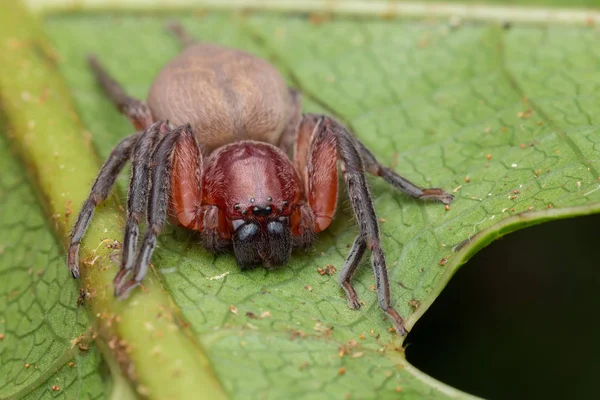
(38, 315)
(511, 110)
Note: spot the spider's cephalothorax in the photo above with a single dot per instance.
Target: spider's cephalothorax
(213, 155)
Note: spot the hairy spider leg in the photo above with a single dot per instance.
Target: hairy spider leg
(137, 112)
(330, 142)
(170, 154)
(182, 35)
(137, 194)
(399, 182)
(100, 190)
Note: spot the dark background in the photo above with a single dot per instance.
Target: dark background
(520, 319)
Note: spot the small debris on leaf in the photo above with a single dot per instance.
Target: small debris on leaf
(55, 388)
(328, 270)
(341, 371)
(308, 287)
(443, 261)
(233, 309)
(414, 303)
(250, 314)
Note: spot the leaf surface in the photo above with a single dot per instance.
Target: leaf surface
(506, 118)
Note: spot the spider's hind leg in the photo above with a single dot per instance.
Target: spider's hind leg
(134, 109)
(181, 34)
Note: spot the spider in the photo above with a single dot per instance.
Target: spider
(212, 154)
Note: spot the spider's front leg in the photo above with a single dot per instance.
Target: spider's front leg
(173, 173)
(100, 190)
(320, 144)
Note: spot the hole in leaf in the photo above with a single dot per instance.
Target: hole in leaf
(520, 319)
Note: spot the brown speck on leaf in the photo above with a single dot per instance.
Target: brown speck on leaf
(326, 331)
(443, 261)
(549, 205)
(83, 347)
(2, 336)
(341, 371)
(233, 309)
(398, 389)
(308, 287)
(71, 364)
(362, 337)
(414, 303)
(522, 145)
(382, 220)
(27, 365)
(303, 366)
(250, 314)
(488, 157)
(447, 207)
(467, 179)
(391, 330)
(296, 333)
(327, 270)
(319, 18)
(516, 191)
(68, 209)
(55, 388)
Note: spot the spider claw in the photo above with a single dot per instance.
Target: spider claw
(73, 260)
(397, 320)
(353, 303)
(124, 290)
(435, 194)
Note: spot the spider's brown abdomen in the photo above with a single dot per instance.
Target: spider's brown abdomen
(226, 95)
